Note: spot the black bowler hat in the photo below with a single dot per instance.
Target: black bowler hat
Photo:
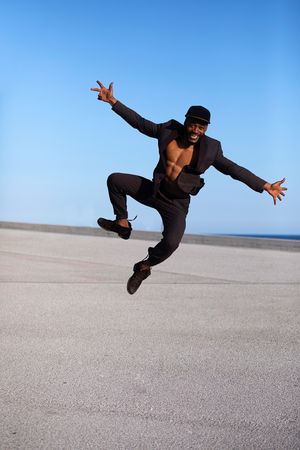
(199, 112)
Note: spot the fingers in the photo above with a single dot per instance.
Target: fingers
(278, 196)
(280, 182)
(281, 190)
(103, 88)
(99, 92)
(97, 89)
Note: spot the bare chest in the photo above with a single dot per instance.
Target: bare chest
(176, 159)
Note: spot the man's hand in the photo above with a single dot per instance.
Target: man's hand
(104, 94)
(275, 190)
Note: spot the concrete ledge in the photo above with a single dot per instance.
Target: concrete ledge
(218, 240)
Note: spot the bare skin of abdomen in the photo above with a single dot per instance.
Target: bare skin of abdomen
(176, 158)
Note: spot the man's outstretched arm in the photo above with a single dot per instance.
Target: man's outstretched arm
(145, 126)
(244, 175)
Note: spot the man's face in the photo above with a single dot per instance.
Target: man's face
(194, 129)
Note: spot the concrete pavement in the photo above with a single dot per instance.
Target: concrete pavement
(204, 356)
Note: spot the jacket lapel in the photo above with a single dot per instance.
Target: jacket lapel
(203, 153)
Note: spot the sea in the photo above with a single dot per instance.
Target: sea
(293, 237)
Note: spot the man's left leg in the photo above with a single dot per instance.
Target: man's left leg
(174, 220)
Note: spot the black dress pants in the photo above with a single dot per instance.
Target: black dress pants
(173, 211)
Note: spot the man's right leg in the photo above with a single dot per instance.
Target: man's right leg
(119, 186)
(122, 184)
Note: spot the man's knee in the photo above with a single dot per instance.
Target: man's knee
(113, 179)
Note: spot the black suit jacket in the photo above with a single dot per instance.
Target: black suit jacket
(208, 153)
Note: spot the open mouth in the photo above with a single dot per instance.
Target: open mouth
(193, 136)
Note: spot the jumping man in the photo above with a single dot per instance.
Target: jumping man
(185, 152)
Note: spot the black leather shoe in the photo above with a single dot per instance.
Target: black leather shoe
(141, 271)
(112, 225)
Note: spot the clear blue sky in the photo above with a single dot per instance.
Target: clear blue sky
(58, 143)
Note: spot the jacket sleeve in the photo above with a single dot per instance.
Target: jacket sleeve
(145, 126)
(237, 172)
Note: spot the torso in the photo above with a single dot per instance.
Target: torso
(176, 158)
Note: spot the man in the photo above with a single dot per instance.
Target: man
(185, 153)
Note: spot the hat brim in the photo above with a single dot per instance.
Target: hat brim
(199, 118)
